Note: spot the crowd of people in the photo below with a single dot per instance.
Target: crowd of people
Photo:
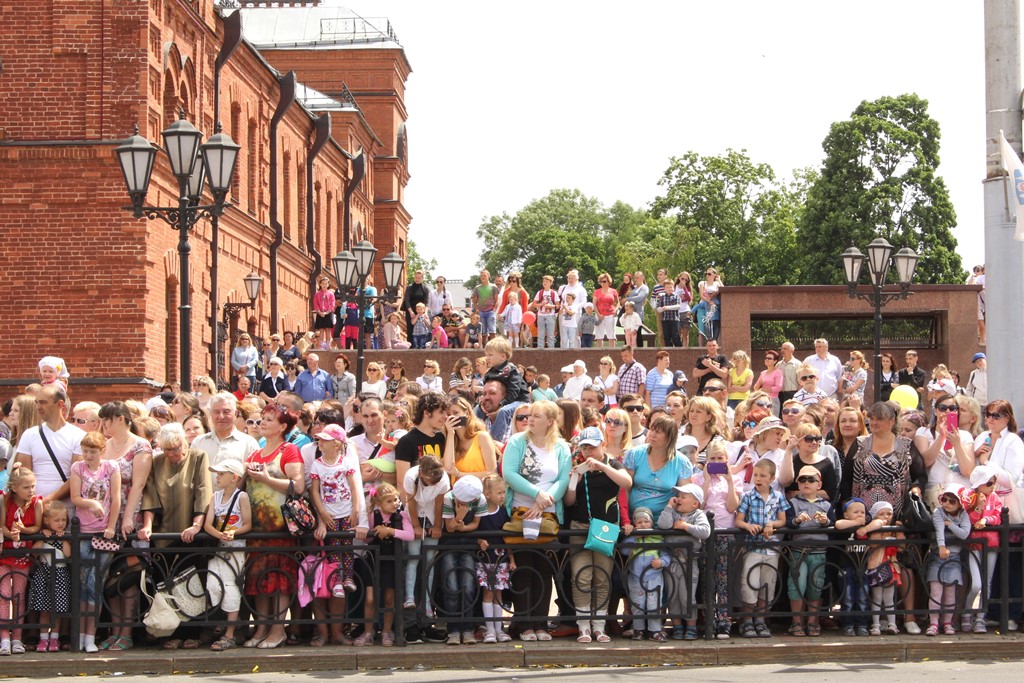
(497, 447)
(566, 314)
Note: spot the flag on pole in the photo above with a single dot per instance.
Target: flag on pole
(1015, 170)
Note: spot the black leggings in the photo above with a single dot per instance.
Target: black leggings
(531, 588)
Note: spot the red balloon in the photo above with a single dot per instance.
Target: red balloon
(529, 318)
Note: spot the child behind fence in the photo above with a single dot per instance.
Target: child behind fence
(50, 585)
(21, 514)
(425, 485)
(808, 510)
(389, 524)
(855, 596)
(644, 579)
(984, 508)
(494, 569)
(944, 571)
(684, 513)
(96, 493)
(461, 510)
(883, 571)
(228, 517)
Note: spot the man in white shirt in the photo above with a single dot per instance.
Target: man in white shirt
(574, 387)
(226, 441)
(830, 368)
(65, 441)
(790, 366)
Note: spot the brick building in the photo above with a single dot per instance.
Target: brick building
(85, 280)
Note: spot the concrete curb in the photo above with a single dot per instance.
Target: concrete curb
(560, 653)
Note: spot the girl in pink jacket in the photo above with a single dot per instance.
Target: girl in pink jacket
(985, 509)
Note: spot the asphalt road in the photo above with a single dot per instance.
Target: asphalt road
(811, 673)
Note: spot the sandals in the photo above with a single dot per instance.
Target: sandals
(254, 642)
(105, 645)
(528, 636)
(120, 644)
(813, 630)
(542, 635)
(932, 630)
(172, 644)
(223, 643)
(190, 644)
(317, 641)
(584, 636)
(602, 637)
(797, 630)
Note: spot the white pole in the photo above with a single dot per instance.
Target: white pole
(1004, 256)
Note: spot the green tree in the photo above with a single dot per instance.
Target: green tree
(879, 178)
(731, 213)
(415, 261)
(563, 230)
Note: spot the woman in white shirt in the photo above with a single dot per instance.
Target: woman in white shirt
(1000, 448)
(946, 452)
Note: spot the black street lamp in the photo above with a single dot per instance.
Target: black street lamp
(351, 268)
(181, 144)
(253, 283)
(879, 260)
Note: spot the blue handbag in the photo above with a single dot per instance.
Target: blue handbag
(601, 535)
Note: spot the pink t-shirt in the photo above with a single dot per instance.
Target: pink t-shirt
(716, 495)
(95, 486)
(441, 336)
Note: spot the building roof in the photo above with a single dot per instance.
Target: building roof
(314, 100)
(316, 28)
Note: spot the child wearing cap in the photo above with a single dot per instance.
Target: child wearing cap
(762, 510)
(984, 508)
(461, 510)
(645, 582)
(944, 572)
(684, 513)
(883, 569)
(228, 517)
(808, 510)
(855, 596)
(337, 496)
(587, 325)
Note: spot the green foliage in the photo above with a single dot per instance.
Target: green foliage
(415, 261)
(729, 213)
(548, 236)
(879, 178)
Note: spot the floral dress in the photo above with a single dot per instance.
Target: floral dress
(269, 572)
(126, 464)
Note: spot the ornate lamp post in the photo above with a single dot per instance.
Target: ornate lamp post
(351, 270)
(181, 144)
(253, 283)
(879, 260)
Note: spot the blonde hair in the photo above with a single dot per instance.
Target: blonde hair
(807, 429)
(627, 434)
(500, 345)
(941, 372)
(492, 480)
(741, 357)
(712, 408)
(550, 410)
(54, 506)
(383, 491)
(18, 475)
(433, 365)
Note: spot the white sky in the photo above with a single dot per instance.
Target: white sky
(508, 101)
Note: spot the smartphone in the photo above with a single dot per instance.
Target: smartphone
(717, 467)
(461, 422)
(952, 425)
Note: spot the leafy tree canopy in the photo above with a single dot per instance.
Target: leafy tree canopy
(414, 261)
(730, 213)
(879, 179)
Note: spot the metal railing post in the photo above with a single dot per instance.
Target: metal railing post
(75, 569)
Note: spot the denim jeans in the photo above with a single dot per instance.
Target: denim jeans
(546, 331)
(855, 597)
(458, 570)
(416, 551)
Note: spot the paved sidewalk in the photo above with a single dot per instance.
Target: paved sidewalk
(560, 652)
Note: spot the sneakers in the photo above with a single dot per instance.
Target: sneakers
(762, 630)
(966, 626)
(349, 585)
(468, 638)
(979, 627)
(691, 633)
(338, 591)
(862, 631)
(409, 604)
(876, 630)
(5, 648)
(490, 638)
(678, 632)
(747, 630)
(912, 628)
(1011, 625)
(44, 645)
(434, 634)
(722, 631)
(453, 638)
(849, 631)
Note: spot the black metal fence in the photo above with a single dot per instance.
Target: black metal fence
(724, 580)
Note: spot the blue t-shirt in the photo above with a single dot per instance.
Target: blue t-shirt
(369, 291)
(659, 385)
(654, 489)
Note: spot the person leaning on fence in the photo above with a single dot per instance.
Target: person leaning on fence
(883, 570)
(762, 510)
(22, 513)
(984, 508)
(461, 510)
(684, 514)
(494, 566)
(228, 517)
(944, 571)
(808, 510)
(591, 499)
(855, 596)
